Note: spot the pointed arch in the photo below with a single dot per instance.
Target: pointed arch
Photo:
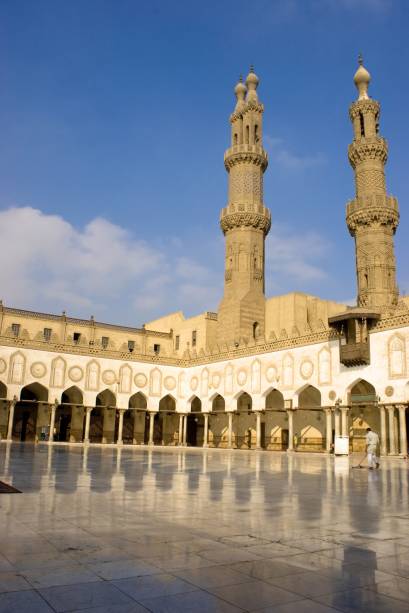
(308, 397)
(3, 390)
(324, 366)
(204, 382)
(92, 376)
(34, 391)
(167, 403)
(218, 403)
(288, 370)
(138, 401)
(244, 402)
(72, 395)
(195, 404)
(17, 368)
(361, 391)
(106, 398)
(228, 379)
(274, 399)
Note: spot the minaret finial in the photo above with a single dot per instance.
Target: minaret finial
(360, 59)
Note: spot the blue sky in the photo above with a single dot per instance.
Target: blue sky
(114, 120)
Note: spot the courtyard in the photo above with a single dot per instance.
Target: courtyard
(121, 530)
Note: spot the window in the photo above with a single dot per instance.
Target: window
(104, 342)
(76, 337)
(131, 346)
(247, 134)
(236, 139)
(156, 349)
(361, 122)
(256, 138)
(194, 338)
(47, 334)
(15, 328)
(256, 330)
(177, 342)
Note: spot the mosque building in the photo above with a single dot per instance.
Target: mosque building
(283, 373)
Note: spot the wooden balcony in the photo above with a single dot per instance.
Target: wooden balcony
(354, 354)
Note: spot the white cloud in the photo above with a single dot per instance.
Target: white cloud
(293, 256)
(104, 270)
(289, 160)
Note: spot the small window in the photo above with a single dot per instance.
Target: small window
(177, 342)
(256, 330)
(156, 349)
(76, 337)
(194, 338)
(362, 124)
(104, 342)
(247, 135)
(131, 346)
(236, 140)
(47, 334)
(15, 328)
(256, 137)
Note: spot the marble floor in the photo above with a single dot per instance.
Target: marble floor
(108, 530)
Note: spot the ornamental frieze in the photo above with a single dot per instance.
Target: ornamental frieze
(367, 105)
(246, 220)
(359, 151)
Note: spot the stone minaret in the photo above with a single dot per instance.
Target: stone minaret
(373, 216)
(245, 221)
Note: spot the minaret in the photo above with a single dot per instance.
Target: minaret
(245, 221)
(373, 216)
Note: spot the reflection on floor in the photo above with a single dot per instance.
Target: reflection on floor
(179, 530)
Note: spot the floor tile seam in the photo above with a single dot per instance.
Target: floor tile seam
(45, 600)
(362, 588)
(113, 581)
(199, 589)
(251, 580)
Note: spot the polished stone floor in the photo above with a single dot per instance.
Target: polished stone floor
(200, 531)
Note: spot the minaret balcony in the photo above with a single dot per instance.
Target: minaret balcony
(245, 153)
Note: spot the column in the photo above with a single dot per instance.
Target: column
(120, 426)
(383, 430)
(230, 430)
(328, 430)
(403, 440)
(11, 419)
(151, 425)
(344, 421)
(337, 422)
(392, 441)
(52, 422)
(258, 430)
(206, 430)
(88, 411)
(180, 433)
(184, 443)
(290, 415)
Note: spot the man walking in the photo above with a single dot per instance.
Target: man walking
(372, 442)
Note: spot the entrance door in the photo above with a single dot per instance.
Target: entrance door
(191, 433)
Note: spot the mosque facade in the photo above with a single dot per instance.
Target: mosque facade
(283, 373)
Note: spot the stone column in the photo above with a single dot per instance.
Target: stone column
(403, 440)
(184, 443)
(230, 430)
(258, 430)
(344, 421)
(290, 415)
(151, 425)
(328, 430)
(52, 422)
(392, 440)
(337, 422)
(11, 419)
(383, 437)
(206, 430)
(88, 411)
(120, 426)
(180, 433)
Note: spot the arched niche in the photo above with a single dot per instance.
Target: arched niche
(218, 404)
(195, 405)
(244, 403)
(362, 392)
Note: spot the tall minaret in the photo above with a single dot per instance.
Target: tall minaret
(245, 221)
(373, 216)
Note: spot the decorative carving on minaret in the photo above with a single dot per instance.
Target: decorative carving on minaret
(245, 221)
(373, 216)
